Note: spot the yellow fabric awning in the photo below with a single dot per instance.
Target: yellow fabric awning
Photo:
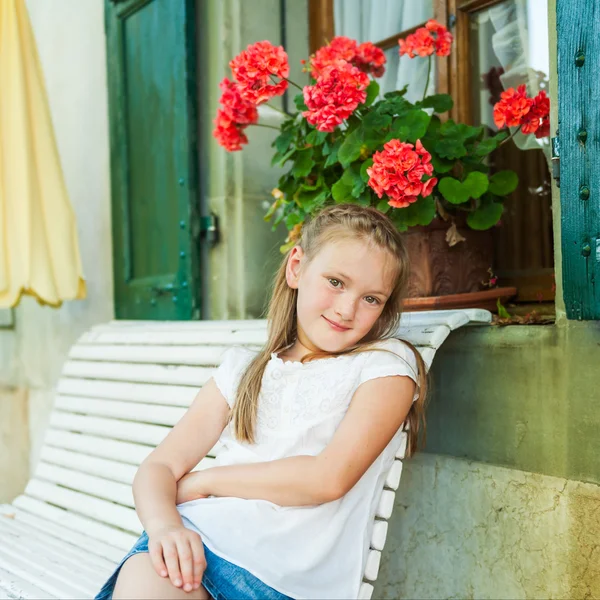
(39, 251)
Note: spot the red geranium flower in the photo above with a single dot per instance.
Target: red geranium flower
(234, 106)
(367, 57)
(254, 68)
(539, 113)
(397, 172)
(434, 37)
(512, 107)
(227, 133)
(339, 89)
(544, 128)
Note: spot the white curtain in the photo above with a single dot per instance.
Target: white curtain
(513, 37)
(375, 20)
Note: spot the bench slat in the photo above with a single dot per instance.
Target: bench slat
(192, 355)
(167, 338)
(379, 534)
(38, 538)
(65, 572)
(131, 411)
(392, 479)
(192, 376)
(95, 508)
(386, 504)
(95, 487)
(20, 587)
(106, 469)
(372, 566)
(132, 392)
(366, 591)
(125, 452)
(38, 577)
(74, 529)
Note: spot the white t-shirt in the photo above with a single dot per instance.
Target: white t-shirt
(312, 552)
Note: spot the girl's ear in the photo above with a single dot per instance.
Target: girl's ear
(292, 269)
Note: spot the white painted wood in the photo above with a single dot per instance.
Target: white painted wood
(20, 587)
(192, 355)
(401, 453)
(126, 452)
(90, 485)
(109, 469)
(60, 525)
(125, 385)
(167, 374)
(78, 503)
(386, 504)
(168, 395)
(379, 534)
(366, 591)
(37, 538)
(130, 411)
(392, 479)
(372, 566)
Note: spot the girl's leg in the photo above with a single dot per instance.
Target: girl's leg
(138, 579)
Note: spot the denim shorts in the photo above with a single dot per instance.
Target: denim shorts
(223, 580)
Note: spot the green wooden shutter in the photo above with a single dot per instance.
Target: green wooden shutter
(153, 131)
(578, 28)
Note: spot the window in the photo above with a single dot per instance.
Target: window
(498, 44)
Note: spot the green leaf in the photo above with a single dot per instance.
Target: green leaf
(350, 149)
(333, 154)
(409, 127)
(456, 192)
(383, 206)
(293, 219)
(396, 93)
(304, 163)
(376, 120)
(476, 184)
(485, 147)
(279, 159)
(341, 192)
(363, 169)
(283, 140)
(503, 183)
(439, 102)
(441, 165)
(316, 137)
(372, 92)
(311, 201)
(502, 312)
(365, 198)
(486, 216)
(421, 212)
(450, 148)
(394, 105)
(351, 177)
(299, 102)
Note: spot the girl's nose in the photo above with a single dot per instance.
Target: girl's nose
(346, 309)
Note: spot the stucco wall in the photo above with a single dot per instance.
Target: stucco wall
(71, 45)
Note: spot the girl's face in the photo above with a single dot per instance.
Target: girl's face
(341, 293)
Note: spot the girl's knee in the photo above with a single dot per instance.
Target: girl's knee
(137, 579)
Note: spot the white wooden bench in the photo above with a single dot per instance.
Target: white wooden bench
(124, 385)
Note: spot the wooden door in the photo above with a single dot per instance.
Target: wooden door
(153, 145)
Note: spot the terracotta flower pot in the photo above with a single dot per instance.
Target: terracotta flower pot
(441, 274)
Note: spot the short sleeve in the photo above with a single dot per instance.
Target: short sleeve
(397, 359)
(229, 373)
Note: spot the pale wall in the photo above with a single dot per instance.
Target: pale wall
(71, 45)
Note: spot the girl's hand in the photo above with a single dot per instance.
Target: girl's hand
(192, 487)
(178, 553)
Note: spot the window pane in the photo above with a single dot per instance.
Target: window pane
(403, 70)
(509, 47)
(375, 20)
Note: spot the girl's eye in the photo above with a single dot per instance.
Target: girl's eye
(335, 282)
(371, 300)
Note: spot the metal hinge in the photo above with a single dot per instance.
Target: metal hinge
(556, 159)
(209, 229)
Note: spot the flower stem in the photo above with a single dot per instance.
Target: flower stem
(278, 110)
(268, 126)
(427, 80)
(294, 84)
(510, 137)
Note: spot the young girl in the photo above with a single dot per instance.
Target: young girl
(309, 427)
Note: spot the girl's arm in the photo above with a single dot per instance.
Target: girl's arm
(378, 409)
(174, 550)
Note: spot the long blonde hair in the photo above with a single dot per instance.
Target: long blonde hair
(335, 223)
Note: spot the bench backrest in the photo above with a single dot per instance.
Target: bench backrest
(124, 386)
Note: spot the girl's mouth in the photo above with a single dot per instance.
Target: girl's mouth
(335, 326)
